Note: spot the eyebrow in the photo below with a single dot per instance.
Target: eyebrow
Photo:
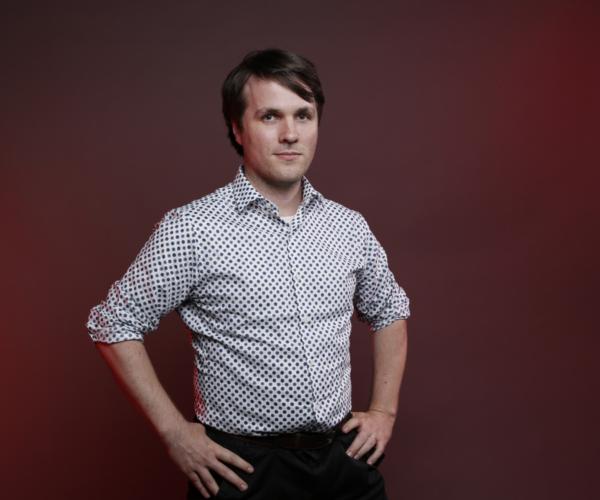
(309, 110)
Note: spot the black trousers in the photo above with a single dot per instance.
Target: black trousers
(280, 474)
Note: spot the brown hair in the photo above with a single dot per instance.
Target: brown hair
(288, 69)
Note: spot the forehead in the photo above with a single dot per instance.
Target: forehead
(270, 94)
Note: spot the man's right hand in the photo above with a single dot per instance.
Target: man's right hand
(187, 443)
(196, 455)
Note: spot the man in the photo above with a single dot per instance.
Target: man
(265, 273)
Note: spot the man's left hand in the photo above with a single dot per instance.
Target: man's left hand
(374, 430)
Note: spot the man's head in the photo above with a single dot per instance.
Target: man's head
(289, 70)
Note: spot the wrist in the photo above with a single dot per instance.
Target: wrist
(388, 412)
(172, 427)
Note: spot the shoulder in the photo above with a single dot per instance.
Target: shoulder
(201, 211)
(339, 215)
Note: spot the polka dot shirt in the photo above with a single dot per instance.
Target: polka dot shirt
(267, 304)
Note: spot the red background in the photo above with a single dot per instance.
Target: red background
(466, 132)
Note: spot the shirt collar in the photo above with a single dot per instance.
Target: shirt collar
(245, 193)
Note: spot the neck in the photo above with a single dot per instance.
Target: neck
(287, 196)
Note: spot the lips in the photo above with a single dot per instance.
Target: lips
(288, 155)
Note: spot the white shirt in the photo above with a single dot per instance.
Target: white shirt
(267, 305)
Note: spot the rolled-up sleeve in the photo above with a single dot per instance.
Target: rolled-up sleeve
(378, 298)
(158, 281)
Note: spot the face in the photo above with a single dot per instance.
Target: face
(279, 133)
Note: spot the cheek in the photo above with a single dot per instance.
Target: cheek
(263, 140)
(313, 138)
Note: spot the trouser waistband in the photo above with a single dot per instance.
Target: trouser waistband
(297, 441)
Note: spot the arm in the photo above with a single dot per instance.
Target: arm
(187, 443)
(389, 358)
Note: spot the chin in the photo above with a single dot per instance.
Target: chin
(293, 175)
(286, 179)
(289, 172)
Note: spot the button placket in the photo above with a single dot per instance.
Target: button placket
(304, 318)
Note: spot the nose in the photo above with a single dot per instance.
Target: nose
(289, 133)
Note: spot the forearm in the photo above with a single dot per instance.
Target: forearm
(133, 371)
(389, 359)
(187, 443)
(376, 424)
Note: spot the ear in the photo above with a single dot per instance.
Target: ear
(237, 132)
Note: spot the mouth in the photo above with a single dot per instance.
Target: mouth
(288, 155)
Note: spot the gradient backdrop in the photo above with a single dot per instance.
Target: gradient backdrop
(466, 132)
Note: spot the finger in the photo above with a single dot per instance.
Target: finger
(376, 454)
(209, 481)
(197, 482)
(357, 444)
(224, 455)
(369, 443)
(227, 474)
(351, 424)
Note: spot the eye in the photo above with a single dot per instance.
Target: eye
(303, 116)
(269, 118)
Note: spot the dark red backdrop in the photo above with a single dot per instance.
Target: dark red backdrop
(465, 131)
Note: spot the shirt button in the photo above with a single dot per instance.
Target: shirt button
(306, 319)
(316, 407)
(311, 362)
(298, 277)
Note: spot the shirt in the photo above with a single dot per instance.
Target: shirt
(267, 304)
